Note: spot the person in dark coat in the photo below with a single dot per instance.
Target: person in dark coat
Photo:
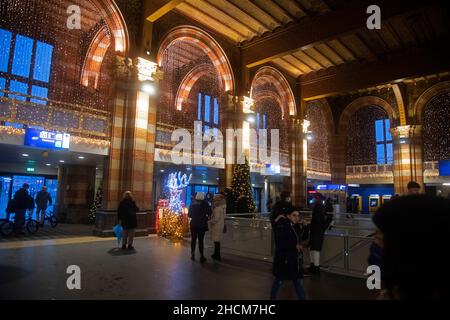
(317, 232)
(281, 207)
(287, 262)
(127, 218)
(21, 204)
(231, 201)
(43, 199)
(403, 233)
(199, 213)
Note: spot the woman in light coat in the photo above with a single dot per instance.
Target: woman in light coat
(217, 223)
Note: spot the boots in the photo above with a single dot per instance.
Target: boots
(313, 269)
(216, 255)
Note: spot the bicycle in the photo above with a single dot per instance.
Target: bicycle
(51, 218)
(7, 226)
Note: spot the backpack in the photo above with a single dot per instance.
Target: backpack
(10, 207)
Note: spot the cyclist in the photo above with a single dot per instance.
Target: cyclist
(21, 204)
(43, 198)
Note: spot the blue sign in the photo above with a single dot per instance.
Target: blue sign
(331, 187)
(444, 168)
(46, 139)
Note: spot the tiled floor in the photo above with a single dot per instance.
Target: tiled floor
(159, 269)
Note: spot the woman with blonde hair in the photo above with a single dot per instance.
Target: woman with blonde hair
(127, 218)
(217, 223)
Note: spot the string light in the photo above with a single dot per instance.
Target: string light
(436, 128)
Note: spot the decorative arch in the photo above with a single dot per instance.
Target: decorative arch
(361, 103)
(426, 96)
(271, 75)
(90, 72)
(208, 44)
(110, 12)
(188, 82)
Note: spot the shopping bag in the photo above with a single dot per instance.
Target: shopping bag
(118, 232)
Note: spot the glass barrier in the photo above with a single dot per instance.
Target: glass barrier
(345, 249)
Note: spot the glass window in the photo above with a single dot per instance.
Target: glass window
(216, 112)
(40, 92)
(257, 121)
(22, 56)
(207, 108)
(43, 61)
(2, 86)
(389, 153)
(388, 130)
(5, 47)
(18, 87)
(264, 124)
(381, 158)
(199, 112)
(379, 130)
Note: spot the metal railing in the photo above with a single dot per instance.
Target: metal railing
(345, 249)
(54, 115)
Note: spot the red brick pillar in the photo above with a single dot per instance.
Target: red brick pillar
(298, 162)
(408, 157)
(338, 158)
(228, 122)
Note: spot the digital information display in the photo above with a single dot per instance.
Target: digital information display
(46, 139)
(444, 168)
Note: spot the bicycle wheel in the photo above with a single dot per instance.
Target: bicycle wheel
(32, 226)
(6, 228)
(53, 221)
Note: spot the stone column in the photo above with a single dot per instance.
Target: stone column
(408, 157)
(133, 134)
(298, 166)
(338, 156)
(228, 122)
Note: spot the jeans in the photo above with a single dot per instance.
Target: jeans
(298, 285)
(42, 212)
(201, 236)
(19, 219)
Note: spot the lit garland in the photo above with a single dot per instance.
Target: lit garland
(176, 184)
(171, 225)
(74, 139)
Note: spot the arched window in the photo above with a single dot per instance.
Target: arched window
(436, 128)
(368, 137)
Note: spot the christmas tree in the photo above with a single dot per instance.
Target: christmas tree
(96, 205)
(242, 188)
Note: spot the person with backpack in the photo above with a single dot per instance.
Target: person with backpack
(21, 203)
(43, 199)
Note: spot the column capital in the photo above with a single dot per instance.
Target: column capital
(408, 131)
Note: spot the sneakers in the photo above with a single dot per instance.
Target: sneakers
(193, 257)
(130, 247)
(124, 247)
(202, 259)
(313, 270)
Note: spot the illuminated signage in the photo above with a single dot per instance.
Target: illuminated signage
(47, 139)
(331, 187)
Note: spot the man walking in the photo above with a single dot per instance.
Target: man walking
(43, 198)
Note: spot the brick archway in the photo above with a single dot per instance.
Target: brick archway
(270, 75)
(90, 72)
(110, 12)
(208, 44)
(361, 103)
(425, 98)
(188, 82)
